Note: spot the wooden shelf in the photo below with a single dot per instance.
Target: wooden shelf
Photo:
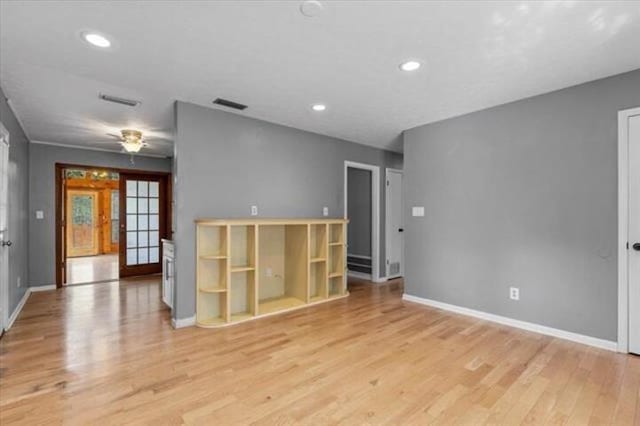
(213, 257)
(318, 259)
(335, 243)
(335, 274)
(244, 268)
(213, 290)
(269, 306)
(211, 322)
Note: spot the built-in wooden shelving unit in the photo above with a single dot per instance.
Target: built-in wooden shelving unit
(251, 268)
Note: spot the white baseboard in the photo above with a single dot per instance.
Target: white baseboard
(183, 322)
(18, 309)
(42, 288)
(524, 325)
(380, 280)
(359, 275)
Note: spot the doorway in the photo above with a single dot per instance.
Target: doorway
(394, 224)
(109, 223)
(362, 208)
(629, 231)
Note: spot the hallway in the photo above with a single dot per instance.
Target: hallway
(92, 269)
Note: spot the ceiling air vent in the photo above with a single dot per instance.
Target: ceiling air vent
(229, 104)
(117, 100)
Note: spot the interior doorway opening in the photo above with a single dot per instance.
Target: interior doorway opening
(92, 198)
(109, 223)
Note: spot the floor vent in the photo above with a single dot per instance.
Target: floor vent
(229, 104)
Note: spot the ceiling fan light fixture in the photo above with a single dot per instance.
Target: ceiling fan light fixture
(132, 140)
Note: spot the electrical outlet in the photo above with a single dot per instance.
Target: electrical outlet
(325, 211)
(514, 293)
(269, 272)
(254, 210)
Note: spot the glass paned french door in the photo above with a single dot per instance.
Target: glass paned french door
(143, 223)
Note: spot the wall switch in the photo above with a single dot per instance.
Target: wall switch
(417, 211)
(254, 210)
(325, 211)
(39, 214)
(514, 293)
(19, 282)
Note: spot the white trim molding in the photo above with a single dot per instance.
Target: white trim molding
(18, 309)
(375, 212)
(623, 227)
(523, 325)
(386, 222)
(36, 289)
(183, 322)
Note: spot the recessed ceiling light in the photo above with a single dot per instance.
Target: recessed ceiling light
(96, 39)
(319, 107)
(410, 65)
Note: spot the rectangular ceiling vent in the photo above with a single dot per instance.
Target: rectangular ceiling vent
(117, 100)
(229, 104)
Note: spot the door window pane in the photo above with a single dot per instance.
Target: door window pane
(143, 188)
(143, 256)
(154, 220)
(154, 238)
(132, 239)
(154, 189)
(154, 255)
(143, 238)
(132, 222)
(143, 205)
(153, 205)
(132, 256)
(132, 190)
(115, 216)
(132, 205)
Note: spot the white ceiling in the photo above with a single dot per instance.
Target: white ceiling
(269, 56)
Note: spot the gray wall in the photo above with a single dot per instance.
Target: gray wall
(359, 211)
(524, 195)
(42, 160)
(18, 228)
(226, 163)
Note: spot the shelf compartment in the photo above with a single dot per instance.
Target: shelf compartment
(336, 286)
(318, 241)
(243, 295)
(317, 281)
(269, 306)
(212, 241)
(336, 234)
(212, 309)
(283, 264)
(335, 274)
(211, 274)
(242, 246)
(317, 259)
(336, 259)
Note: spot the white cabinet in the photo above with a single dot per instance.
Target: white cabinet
(167, 272)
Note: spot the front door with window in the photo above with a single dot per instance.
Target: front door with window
(83, 225)
(143, 223)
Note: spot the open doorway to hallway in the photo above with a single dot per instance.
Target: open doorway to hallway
(109, 223)
(92, 199)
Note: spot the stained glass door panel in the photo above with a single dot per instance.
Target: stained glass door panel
(82, 223)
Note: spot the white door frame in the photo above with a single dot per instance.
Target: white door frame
(387, 228)
(623, 227)
(375, 213)
(4, 271)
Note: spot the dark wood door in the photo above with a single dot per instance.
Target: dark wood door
(143, 223)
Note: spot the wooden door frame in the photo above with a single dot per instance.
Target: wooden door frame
(623, 227)
(58, 169)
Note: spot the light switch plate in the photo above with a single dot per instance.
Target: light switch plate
(417, 211)
(254, 210)
(325, 211)
(39, 214)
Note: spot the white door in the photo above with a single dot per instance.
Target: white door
(4, 243)
(634, 233)
(394, 224)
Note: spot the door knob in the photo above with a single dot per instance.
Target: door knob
(636, 246)
(6, 243)
(401, 230)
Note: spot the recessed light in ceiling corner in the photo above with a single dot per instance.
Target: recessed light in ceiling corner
(96, 39)
(411, 65)
(318, 107)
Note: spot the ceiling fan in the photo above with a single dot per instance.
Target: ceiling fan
(131, 140)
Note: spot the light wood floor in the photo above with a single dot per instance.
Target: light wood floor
(90, 269)
(106, 354)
